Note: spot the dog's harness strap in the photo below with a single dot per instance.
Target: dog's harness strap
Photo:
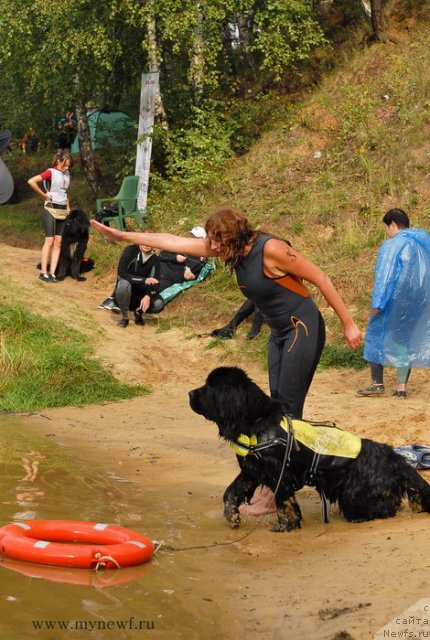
(245, 445)
(325, 508)
(310, 476)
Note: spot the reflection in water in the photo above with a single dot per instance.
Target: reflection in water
(31, 465)
(83, 577)
(45, 478)
(27, 494)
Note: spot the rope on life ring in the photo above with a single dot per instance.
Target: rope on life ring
(74, 543)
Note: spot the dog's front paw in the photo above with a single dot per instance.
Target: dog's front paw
(284, 525)
(289, 516)
(232, 515)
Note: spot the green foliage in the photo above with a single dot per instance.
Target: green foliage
(201, 148)
(341, 357)
(206, 51)
(216, 131)
(68, 50)
(286, 33)
(44, 364)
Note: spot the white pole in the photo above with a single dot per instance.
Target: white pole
(148, 95)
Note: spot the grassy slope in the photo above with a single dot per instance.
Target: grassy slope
(42, 365)
(375, 154)
(322, 177)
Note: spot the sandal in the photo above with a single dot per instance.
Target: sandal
(372, 390)
(423, 455)
(399, 394)
(417, 455)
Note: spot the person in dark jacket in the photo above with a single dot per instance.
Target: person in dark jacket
(137, 284)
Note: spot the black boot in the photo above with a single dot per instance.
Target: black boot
(257, 321)
(138, 317)
(229, 329)
(223, 332)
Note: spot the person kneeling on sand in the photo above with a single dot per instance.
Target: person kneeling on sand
(137, 285)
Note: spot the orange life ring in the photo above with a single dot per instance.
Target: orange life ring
(73, 543)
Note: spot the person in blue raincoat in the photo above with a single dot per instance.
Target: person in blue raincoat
(398, 333)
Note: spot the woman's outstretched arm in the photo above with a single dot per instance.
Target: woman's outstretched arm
(165, 241)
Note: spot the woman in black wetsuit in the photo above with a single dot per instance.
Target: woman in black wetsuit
(269, 272)
(297, 327)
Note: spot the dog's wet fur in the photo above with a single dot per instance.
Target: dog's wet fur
(368, 487)
(73, 245)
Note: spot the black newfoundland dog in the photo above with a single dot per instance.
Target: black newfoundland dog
(367, 479)
(73, 245)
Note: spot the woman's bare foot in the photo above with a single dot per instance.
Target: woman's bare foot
(262, 502)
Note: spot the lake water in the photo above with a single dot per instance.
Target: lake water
(173, 595)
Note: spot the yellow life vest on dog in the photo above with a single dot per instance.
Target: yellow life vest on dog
(322, 439)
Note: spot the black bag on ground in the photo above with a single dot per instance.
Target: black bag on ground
(106, 212)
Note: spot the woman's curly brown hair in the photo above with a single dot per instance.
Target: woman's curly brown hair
(232, 231)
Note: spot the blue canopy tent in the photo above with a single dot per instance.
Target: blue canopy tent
(106, 127)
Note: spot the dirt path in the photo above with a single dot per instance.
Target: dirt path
(331, 582)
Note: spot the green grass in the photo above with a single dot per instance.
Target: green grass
(341, 357)
(45, 364)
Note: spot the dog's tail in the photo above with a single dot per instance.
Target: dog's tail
(417, 490)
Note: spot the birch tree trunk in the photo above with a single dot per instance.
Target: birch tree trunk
(196, 73)
(88, 159)
(244, 26)
(367, 8)
(160, 113)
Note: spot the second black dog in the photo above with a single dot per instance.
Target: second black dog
(367, 479)
(73, 245)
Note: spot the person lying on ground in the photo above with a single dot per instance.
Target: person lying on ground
(178, 267)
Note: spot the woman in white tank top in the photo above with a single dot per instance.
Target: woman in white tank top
(57, 195)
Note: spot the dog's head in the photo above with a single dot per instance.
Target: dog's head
(77, 222)
(231, 400)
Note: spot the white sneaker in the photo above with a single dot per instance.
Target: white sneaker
(109, 304)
